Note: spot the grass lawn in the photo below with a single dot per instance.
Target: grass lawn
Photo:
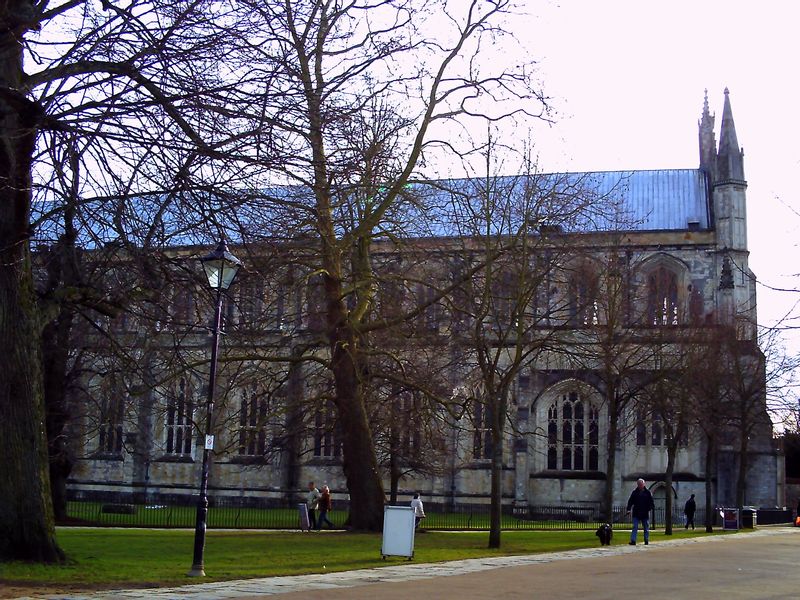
(102, 558)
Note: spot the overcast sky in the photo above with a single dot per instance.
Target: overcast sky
(628, 78)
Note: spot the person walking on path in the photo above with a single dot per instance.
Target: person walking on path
(325, 505)
(689, 509)
(419, 510)
(312, 501)
(640, 505)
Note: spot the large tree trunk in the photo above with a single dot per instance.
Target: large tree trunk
(360, 465)
(27, 530)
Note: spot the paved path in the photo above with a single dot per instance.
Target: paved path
(760, 564)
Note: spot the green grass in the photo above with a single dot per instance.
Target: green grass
(132, 558)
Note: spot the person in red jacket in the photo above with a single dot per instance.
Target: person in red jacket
(325, 505)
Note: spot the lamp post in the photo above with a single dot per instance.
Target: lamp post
(220, 267)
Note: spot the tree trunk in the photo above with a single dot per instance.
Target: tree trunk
(55, 352)
(394, 481)
(291, 450)
(359, 462)
(710, 513)
(55, 355)
(394, 466)
(611, 458)
(672, 450)
(496, 498)
(27, 530)
(741, 478)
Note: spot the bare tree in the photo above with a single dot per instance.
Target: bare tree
(502, 317)
(323, 66)
(109, 104)
(607, 341)
(668, 400)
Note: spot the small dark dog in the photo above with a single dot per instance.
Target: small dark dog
(605, 533)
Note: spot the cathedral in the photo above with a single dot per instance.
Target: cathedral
(636, 263)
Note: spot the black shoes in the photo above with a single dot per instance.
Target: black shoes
(631, 543)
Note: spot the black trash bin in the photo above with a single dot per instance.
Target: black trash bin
(749, 517)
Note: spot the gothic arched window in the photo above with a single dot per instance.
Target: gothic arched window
(327, 432)
(180, 410)
(582, 306)
(573, 434)
(112, 412)
(253, 417)
(662, 297)
(482, 436)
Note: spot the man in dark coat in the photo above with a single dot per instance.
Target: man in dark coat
(689, 508)
(640, 504)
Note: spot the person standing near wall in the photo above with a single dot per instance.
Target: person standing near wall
(641, 504)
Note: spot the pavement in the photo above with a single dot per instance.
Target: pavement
(759, 564)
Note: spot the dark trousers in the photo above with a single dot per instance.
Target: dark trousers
(689, 520)
(312, 518)
(323, 518)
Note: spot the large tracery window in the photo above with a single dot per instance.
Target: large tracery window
(572, 434)
(662, 297)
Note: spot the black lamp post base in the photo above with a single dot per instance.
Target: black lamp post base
(196, 571)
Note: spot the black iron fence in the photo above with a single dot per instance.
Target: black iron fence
(233, 514)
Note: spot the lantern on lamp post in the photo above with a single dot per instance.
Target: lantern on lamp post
(220, 268)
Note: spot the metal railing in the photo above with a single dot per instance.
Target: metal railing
(230, 513)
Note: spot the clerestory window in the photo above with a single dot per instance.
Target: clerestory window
(662, 297)
(582, 305)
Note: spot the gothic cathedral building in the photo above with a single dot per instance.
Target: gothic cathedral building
(586, 411)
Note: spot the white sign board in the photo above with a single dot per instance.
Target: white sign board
(209, 442)
(398, 531)
(302, 511)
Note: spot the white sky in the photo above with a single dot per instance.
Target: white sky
(628, 79)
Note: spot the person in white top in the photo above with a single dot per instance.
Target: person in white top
(419, 511)
(312, 501)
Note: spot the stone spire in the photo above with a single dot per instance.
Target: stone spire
(730, 160)
(708, 142)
